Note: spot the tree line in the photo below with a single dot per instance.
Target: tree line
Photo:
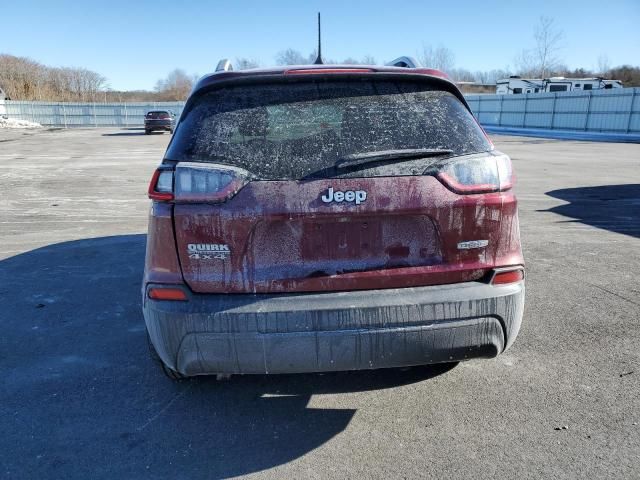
(25, 79)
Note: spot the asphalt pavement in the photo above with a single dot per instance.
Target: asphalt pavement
(80, 398)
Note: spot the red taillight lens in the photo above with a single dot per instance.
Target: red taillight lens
(161, 185)
(208, 183)
(508, 276)
(491, 173)
(167, 293)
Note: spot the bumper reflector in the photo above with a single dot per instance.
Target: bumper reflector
(174, 294)
(510, 276)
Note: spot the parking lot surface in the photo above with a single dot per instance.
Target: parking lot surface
(81, 399)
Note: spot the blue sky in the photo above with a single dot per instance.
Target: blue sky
(135, 42)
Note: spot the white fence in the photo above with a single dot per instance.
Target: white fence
(612, 111)
(616, 111)
(70, 115)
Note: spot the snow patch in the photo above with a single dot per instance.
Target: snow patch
(15, 123)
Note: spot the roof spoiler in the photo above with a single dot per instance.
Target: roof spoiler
(224, 65)
(404, 62)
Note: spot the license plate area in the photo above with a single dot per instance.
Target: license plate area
(344, 238)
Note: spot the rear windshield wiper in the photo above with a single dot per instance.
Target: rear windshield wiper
(389, 156)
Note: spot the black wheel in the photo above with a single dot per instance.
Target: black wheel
(169, 372)
(147, 132)
(171, 132)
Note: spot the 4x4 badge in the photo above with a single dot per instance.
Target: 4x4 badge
(357, 196)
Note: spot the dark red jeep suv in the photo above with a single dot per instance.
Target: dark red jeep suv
(325, 218)
(159, 120)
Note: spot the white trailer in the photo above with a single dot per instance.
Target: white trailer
(515, 85)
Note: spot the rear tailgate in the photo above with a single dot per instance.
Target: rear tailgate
(281, 236)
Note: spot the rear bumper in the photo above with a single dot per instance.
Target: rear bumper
(289, 333)
(158, 126)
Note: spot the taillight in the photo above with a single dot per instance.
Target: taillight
(208, 183)
(161, 185)
(167, 293)
(197, 183)
(491, 173)
(509, 275)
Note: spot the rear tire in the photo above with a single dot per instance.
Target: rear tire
(169, 372)
(147, 132)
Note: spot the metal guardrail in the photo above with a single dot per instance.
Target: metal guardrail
(614, 111)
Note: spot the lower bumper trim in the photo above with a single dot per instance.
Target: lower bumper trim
(298, 352)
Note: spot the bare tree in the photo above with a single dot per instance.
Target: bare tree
(548, 38)
(492, 76)
(461, 75)
(440, 58)
(25, 79)
(243, 63)
(366, 60)
(176, 86)
(627, 74)
(525, 64)
(21, 78)
(481, 76)
(543, 58)
(313, 55)
(604, 65)
(291, 57)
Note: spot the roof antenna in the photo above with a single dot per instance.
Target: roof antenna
(319, 57)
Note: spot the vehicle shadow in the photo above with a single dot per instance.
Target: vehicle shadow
(610, 207)
(81, 399)
(131, 133)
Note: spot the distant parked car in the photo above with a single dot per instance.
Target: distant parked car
(159, 120)
(328, 217)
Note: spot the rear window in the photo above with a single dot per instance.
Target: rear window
(158, 115)
(290, 131)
